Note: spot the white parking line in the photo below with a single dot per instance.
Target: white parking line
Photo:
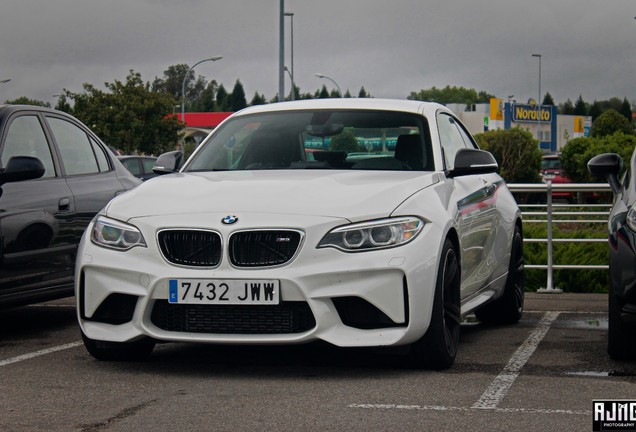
(451, 408)
(499, 388)
(39, 353)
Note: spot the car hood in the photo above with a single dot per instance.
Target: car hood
(354, 195)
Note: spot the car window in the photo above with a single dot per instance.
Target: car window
(75, 147)
(320, 139)
(25, 137)
(100, 154)
(148, 164)
(132, 165)
(450, 138)
(468, 140)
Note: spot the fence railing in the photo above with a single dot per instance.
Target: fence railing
(575, 213)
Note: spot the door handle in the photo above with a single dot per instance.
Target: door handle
(64, 204)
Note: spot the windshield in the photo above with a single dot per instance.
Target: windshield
(550, 164)
(321, 139)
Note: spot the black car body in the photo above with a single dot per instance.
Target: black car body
(139, 166)
(55, 175)
(622, 253)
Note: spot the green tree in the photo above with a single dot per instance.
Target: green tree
(595, 110)
(258, 99)
(363, 93)
(237, 99)
(323, 93)
(610, 122)
(578, 151)
(548, 100)
(626, 110)
(128, 115)
(207, 99)
(222, 99)
(516, 151)
(172, 83)
(26, 101)
(567, 108)
(448, 94)
(580, 107)
(62, 102)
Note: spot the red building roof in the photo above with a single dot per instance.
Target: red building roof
(208, 120)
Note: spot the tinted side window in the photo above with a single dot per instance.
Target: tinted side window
(148, 165)
(75, 148)
(450, 138)
(26, 137)
(132, 165)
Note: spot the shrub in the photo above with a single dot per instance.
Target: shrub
(578, 151)
(516, 151)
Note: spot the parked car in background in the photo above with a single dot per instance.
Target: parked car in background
(551, 170)
(55, 176)
(622, 253)
(139, 166)
(271, 234)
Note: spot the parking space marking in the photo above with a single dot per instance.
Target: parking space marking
(500, 386)
(472, 409)
(39, 353)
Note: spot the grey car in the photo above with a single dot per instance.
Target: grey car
(55, 175)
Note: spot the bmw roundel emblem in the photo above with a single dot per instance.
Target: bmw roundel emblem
(229, 220)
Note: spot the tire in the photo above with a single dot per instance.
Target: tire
(437, 349)
(119, 351)
(620, 336)
(508, 308)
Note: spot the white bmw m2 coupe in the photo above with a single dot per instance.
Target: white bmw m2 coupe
(358, 222)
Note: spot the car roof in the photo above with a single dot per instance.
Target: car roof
(411, 106)
(9, 108)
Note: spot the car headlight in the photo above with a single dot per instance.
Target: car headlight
(631, 218)
(372, 235)
(114, 234)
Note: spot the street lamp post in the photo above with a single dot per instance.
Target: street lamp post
(185, 78)
(281, 52)
(539, 57)
(319, 75)
(291, 77)
(293, 91)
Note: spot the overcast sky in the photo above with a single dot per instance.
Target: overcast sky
(391, 47)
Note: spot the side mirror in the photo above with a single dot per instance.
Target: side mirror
(607, 166)
(473, 161)
(169, 162)
(20, 168)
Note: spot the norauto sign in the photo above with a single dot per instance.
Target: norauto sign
(530, 114)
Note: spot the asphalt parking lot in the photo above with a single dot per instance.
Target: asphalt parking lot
(541, 374)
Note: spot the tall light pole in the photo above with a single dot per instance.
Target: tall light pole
(319, 75)
(281, 52)
(185, 78)
(539, 57)
(291, 77)
(539, 135)
(293, 91)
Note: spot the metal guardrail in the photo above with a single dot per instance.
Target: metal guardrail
(599, 211)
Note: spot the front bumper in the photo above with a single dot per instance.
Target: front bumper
(376, 298)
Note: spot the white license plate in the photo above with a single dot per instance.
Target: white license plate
(219, 291)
